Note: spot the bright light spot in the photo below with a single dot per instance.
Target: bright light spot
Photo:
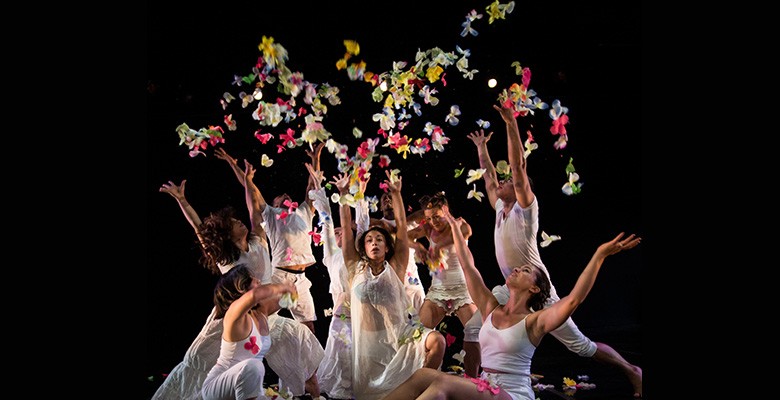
(492, 83)
(258, 94)
(383, 86)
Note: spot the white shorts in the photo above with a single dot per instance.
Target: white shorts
(304, 307)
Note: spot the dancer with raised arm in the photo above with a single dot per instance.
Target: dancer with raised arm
(512, 331)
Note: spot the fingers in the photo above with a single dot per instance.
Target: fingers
(628, 243)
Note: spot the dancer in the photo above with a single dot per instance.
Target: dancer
(288, 227)
(225, 242)
(388, 341)
(516, 230)
(414, 287)
(447, 294)
(239, 370)
(335, 371)
(511, 332)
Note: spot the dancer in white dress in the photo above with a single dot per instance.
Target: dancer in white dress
(414, 287)
(388, 341)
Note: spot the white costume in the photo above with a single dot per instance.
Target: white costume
(184, 382)
(291, 245)
(448, 288)
(516, 245)
(414, 287)
(510, 351)
(239, 370)
(388, 345)
(335, 371)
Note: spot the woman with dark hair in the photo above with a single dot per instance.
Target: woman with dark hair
(239, 371)
(515, 237)
(225, 242)
(511, 332)
(388, 341)
(447, 294)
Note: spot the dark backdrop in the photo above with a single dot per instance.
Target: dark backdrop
(587, 54)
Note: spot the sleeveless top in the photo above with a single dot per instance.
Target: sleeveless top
(231, 353)
(507, 349)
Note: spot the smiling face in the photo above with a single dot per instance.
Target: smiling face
(435, 217)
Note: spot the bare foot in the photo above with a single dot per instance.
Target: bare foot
(636, 381)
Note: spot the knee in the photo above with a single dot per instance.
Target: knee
(436, 342)
(253, 369)
(472, 327)
(583, 348)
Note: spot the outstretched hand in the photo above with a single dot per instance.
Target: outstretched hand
(507, 113)
(172, 189)
(223, 155)
(455, 223)
(479, 138)
(619, 244)
(341, 182)
(317, 175)
(393, 186)
(315, 154)
(249, 171)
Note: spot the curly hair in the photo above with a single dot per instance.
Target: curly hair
(216, 244)
(437, 200)
(537, 300)
(388, 239)
(230, 287)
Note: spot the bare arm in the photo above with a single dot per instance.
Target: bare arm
(478, 291)
(415, 217)
(517, 161)
(223, 155)
(351, 256)
(401, 256)
(447, 240)
(315, 163)
(552, 317)
(490, 176)
(253, 196)
(235, 328)
(177, 192)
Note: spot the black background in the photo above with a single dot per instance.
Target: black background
(587, 54)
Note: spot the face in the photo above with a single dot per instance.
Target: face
(386, 205)
(435, 217)
(506, 190)
(522, 277)
(239, 230)
(279, 200)
(339, 234)
(375, 245)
